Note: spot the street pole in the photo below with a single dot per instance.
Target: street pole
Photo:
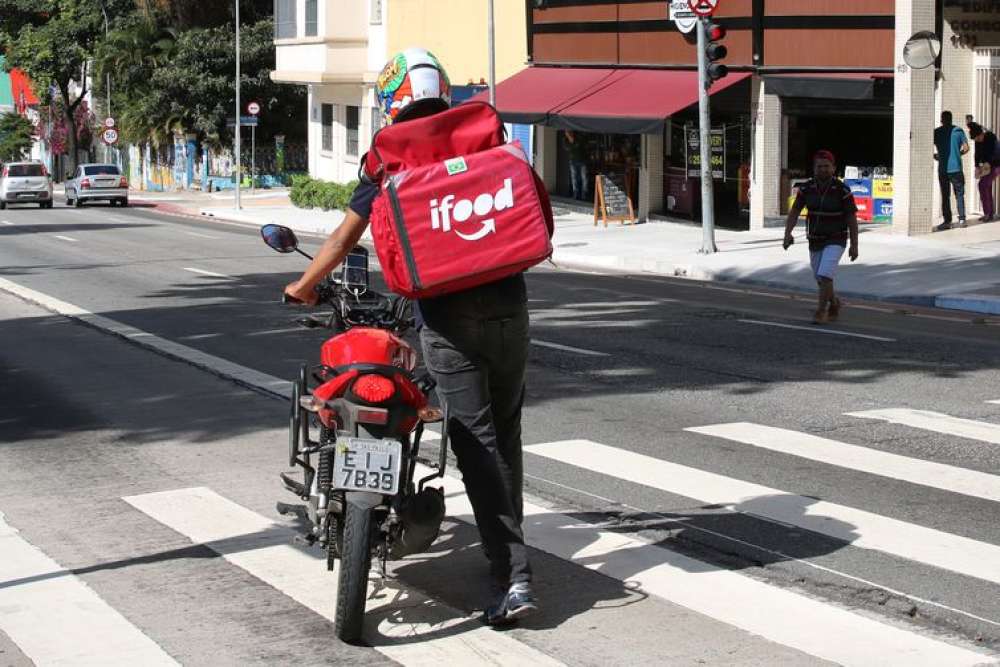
(493, 55)
(239, 126)
(705, 125)
(107, 32)
(253, 159)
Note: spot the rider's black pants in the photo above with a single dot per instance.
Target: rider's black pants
(475, 344)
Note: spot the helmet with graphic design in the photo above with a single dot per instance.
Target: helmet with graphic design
(412, 83)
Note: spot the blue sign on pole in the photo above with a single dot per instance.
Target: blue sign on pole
(244, 120)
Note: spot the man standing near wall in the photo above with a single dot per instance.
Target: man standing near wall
(950, 145)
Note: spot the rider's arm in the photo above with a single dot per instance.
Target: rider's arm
(335, 249)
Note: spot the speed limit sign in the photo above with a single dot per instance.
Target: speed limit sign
(703, 7)
(110, 136)
(253, 108)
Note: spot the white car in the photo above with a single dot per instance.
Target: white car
(24, 182)
(97, 182)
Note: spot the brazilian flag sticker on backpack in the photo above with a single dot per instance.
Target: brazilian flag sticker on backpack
(456, 166)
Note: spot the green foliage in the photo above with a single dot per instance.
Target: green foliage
(169, 80)
(15, 137)
(52, 41)
(313, 193)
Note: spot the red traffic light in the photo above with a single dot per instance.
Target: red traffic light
(716, 32)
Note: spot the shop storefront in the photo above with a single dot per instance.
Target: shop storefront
(624, 118)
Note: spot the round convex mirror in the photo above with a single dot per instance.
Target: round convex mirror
(922, 50)
(279, 238)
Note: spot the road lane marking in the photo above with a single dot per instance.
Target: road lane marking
(567, 348)
(241, 375)
(866, 636)
(400, 622)
(778, 614)
(56, 619)
(857, 527)
(212, 274)
(884, 464)
(817, 329)
(203, 236)
(6, 222)
(271, 332)
(937, 422)
(994, 402)
(65, 238)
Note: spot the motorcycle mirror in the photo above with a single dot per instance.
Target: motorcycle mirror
(279, 238)
(354, 276)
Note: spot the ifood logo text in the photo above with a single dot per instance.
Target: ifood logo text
(446, 212)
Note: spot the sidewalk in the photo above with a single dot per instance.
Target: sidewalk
(958, 269)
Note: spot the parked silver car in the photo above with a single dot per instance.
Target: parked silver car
(24, 182)
(97, 182)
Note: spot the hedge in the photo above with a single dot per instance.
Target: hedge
(313, 193)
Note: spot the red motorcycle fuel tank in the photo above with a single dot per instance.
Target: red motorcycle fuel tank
(362, 345)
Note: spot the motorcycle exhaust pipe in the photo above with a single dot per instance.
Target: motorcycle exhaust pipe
(420, 516)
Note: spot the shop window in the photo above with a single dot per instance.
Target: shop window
(312, 10)
(284, 19)
(376, 12)
(327, 115)
(353, 121)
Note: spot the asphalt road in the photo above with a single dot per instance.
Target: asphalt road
(890, 514)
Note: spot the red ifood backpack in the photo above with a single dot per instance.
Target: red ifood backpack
(458, 207)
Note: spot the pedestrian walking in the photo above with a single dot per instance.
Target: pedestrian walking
(831, 221)
(950, 145)
(987, 158)
(577, 165)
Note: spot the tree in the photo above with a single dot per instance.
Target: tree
(169, 80)
(52, 41)
(15, 137)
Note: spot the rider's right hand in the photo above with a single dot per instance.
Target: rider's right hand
(297, 293)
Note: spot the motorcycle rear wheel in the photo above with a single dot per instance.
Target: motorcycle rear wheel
(352, 580)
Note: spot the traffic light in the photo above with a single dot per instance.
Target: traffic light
(714, 51)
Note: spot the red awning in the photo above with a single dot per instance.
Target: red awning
(623, 100)
(637, 101)
(529, 96)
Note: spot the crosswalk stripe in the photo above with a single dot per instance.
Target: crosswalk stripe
(937, 422)
(926, 473)
(778, 614)
(412, 629)
(858, 527)
(56, 619)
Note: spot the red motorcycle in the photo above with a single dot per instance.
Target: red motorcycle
(367, 410)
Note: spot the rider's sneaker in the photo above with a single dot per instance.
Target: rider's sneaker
(515, 603)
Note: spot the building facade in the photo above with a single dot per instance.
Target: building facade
(336, 49)
(803, 76)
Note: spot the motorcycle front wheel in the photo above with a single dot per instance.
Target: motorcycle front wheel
(352, 580)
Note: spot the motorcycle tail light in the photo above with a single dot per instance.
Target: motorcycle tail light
(373, 388)
(373, 416)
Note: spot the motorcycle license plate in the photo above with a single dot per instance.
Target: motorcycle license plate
(368, 465)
